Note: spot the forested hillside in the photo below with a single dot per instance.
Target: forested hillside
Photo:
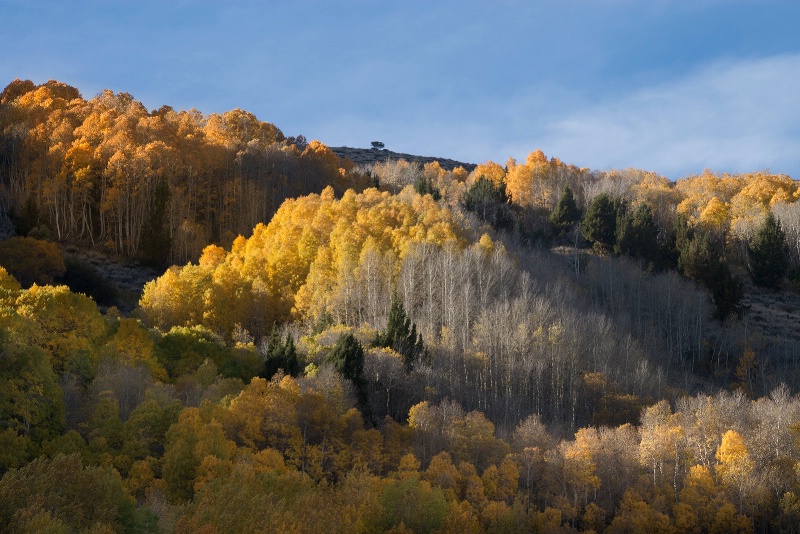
(527, 347)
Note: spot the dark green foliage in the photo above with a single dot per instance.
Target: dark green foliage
(272, 354)
(599, 225)
(156, 242)
(697, 255)
(424, 186)
(290, 356)
(726, 292)
(490, 203)
(768, 254)
(83, 277)
(401, 335)
(678, 238)
(700, 260)
(279, 355)
(79, 364)
(347, 356)
(637, 236)
(566, 212)
(15, 450)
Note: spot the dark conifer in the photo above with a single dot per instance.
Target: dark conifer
(279, 355)
(566, 212)
(489, 202)
(347, 356)
(401, 335)
(768, 254)
(637, 235)
(600, 224)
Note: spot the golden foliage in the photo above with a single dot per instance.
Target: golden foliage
(302, 263)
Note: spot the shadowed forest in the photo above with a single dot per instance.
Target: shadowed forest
(389, 346)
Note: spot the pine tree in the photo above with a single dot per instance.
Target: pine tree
(401, 335)
(600, 224)
(637, 235)
(424, 186)
(347, 356)
(566, 212)
(700, 260)
(489, 202)
(272, 354)
(279, 355)
(726, 292)
(768, 254)
(291, 363)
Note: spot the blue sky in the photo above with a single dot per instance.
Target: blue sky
(672, 86)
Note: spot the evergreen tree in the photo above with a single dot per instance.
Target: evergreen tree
(347, 356)
(489, 202)
(279, 355)
(726, 292)
(768, 254)
(600, 224)
(424, 186)
(401, 335)
(291, 363)
(637, 235)
(697, 256)
(28, 218)
(700, 260)
(566, 212)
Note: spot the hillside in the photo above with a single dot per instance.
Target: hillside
(385, 346)
(372, 155)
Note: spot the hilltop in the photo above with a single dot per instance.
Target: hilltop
(373, 155)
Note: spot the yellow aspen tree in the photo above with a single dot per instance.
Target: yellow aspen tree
(580, 470)
(735, 465)
(715, 215)
(636, 516)
(489, 170)
(660, 442)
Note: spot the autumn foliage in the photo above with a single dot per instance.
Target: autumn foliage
(91, 171)
(383, 348)
(315, 257)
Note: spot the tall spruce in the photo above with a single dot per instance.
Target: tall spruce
(424, 186)
(490, 203)
(401, 335)
(566, 212)
(768, 254)
(700, 260)
(599, 225)
(279, 354)
(637, 235)
(347, 356)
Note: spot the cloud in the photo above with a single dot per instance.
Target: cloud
(732, 116)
